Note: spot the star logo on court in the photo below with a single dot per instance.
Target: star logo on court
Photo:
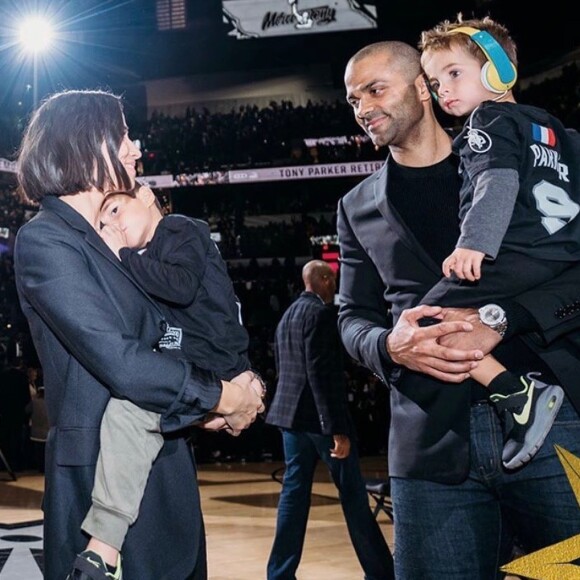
(21, 552)
(560, 561)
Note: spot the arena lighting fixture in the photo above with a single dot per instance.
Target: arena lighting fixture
(35, 35)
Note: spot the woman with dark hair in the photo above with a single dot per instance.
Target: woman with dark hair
(98, 335)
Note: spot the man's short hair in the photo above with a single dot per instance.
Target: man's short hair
(402, 55)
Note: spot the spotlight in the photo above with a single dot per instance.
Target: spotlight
(35, 34)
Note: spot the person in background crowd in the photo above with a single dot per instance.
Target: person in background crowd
(310, 408)
(14, 412)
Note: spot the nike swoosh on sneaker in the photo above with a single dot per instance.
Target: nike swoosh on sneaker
(93, 562)
(524, 415)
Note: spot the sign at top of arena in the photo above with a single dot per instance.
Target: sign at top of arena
(264, 18)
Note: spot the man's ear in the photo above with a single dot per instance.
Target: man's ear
(423, 88)
(146, 195)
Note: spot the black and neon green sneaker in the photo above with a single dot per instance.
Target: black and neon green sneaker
(89, 565)
(527, 417)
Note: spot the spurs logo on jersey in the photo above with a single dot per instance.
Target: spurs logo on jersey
(479, 141)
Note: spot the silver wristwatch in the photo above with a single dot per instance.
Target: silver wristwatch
(494, 316)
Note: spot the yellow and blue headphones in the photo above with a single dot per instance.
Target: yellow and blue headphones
(499, 73)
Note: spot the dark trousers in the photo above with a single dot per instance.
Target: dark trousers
(302, 451)
(468, 530)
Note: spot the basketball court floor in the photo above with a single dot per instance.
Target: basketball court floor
(239, 504)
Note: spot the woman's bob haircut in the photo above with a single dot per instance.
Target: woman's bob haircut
(65, 146)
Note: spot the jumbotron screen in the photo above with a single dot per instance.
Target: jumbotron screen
(265, 18)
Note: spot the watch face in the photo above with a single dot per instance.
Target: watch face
(492, 315)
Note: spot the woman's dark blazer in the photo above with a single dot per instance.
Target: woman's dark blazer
(95, 332)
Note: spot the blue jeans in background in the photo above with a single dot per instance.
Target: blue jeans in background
(467, 531)
(302, 451)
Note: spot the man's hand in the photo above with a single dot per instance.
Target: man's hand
(482, 337)
(341, 448)
(419, 349)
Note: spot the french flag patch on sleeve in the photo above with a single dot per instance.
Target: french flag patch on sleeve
(544, 135)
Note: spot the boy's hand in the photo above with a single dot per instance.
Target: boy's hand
(465, 263)
(114, 237)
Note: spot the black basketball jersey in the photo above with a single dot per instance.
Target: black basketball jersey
(545, 222)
